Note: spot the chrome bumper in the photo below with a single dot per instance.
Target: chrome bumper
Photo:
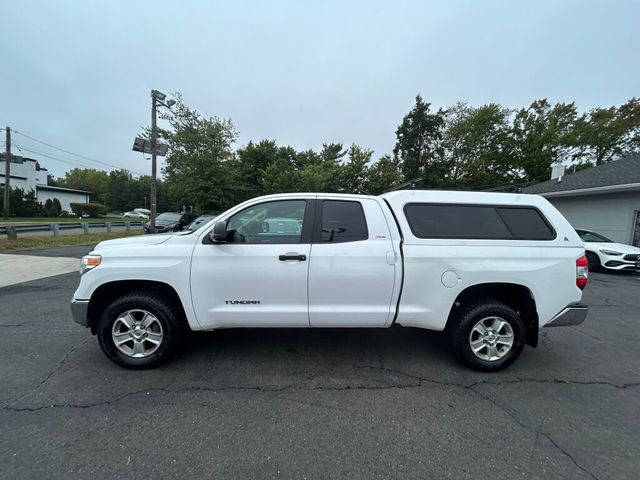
(79, 311)
(572, 314)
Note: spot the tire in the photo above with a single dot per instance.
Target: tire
(153, 337)
(594, 261)
(466, 331)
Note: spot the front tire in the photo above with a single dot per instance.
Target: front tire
(489, 336)
(140, 330)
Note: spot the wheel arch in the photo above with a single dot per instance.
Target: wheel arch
(517, 296)
(108, 292)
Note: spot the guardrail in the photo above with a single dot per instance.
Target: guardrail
(55, 228)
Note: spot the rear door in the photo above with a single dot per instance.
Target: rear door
(352, 266)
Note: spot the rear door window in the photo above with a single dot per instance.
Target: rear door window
(342, 221)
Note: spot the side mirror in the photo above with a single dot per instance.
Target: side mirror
(219, 232)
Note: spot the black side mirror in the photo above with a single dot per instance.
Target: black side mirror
(219, 232)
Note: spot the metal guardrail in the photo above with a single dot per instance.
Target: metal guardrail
(56, 227)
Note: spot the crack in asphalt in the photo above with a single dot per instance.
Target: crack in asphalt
(51, 373)
(417, 381)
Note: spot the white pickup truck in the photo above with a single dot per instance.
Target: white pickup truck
(489, 269)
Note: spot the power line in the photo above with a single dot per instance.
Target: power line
(73, 163)
(70, 153)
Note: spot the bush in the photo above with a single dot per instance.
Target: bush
(21, 202)
(57, 207)
(92, 209)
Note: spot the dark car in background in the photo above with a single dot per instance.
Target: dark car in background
(170, 222)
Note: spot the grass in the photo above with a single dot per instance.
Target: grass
(30, 243)
(64, 219)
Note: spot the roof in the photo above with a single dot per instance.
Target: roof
(617, 175)
(61, 189)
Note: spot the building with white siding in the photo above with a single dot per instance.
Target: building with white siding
(27, 174)
(605, 199)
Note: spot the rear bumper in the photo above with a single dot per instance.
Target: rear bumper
(572, 314)
(79, 311)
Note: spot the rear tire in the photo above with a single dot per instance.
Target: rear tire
(489, 336)
(140, 330)
(594, 261)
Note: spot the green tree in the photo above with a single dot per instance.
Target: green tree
(89, 179)
(604, 134)
(476, 144)
(383, 175)
(419, 145)
(57, 207)
(354, 173)
(198, 165)
(541, 135)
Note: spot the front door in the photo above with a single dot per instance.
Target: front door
(259, 277)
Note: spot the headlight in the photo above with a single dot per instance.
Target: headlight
(611, 253)
(89, 262)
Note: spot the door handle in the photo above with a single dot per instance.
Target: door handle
(292, 256)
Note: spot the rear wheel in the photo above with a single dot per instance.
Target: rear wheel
(594, 261)
(140, 330)
(489, 336)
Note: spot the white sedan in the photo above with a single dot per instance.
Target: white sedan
(605, 253)
(135, 215)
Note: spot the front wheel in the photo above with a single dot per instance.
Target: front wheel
(140, 330)
(489, 336)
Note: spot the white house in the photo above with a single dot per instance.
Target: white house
(26, 173)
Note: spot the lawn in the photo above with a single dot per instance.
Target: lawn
(64, 219)
(30, 243)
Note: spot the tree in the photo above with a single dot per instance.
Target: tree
(89, 179)
(541, 135)
(57, 207)
(197, 166)
(606, 133)
(418, 145)
(22, 203)
(383, 175)
(355, 172)
(252, 161)
(475, 142)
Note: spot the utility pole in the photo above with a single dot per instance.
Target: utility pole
(7, 173)
(154, 140)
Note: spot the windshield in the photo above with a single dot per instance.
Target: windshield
(587, 236)
(199, 222)
(168, 216)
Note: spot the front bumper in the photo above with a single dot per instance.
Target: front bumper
(79, 312)
(622, 264)
(572, 314)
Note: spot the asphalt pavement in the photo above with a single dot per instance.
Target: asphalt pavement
(318, 403)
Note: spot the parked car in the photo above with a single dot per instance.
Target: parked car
(171, 222)
(200, 222)
(490, 268)
(135, 214)
(66, 214)
(604, 253)
(143, 211)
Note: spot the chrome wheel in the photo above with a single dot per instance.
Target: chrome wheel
(491, 338)
(137, 333)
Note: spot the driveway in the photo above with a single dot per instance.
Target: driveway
(318, 403)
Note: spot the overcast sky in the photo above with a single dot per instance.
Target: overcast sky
(77, 75)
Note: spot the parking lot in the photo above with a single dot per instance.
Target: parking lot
(318, 403)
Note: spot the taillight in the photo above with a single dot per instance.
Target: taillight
(582, 272)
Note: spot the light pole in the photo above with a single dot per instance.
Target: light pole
(157, 99)
(145, 202)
